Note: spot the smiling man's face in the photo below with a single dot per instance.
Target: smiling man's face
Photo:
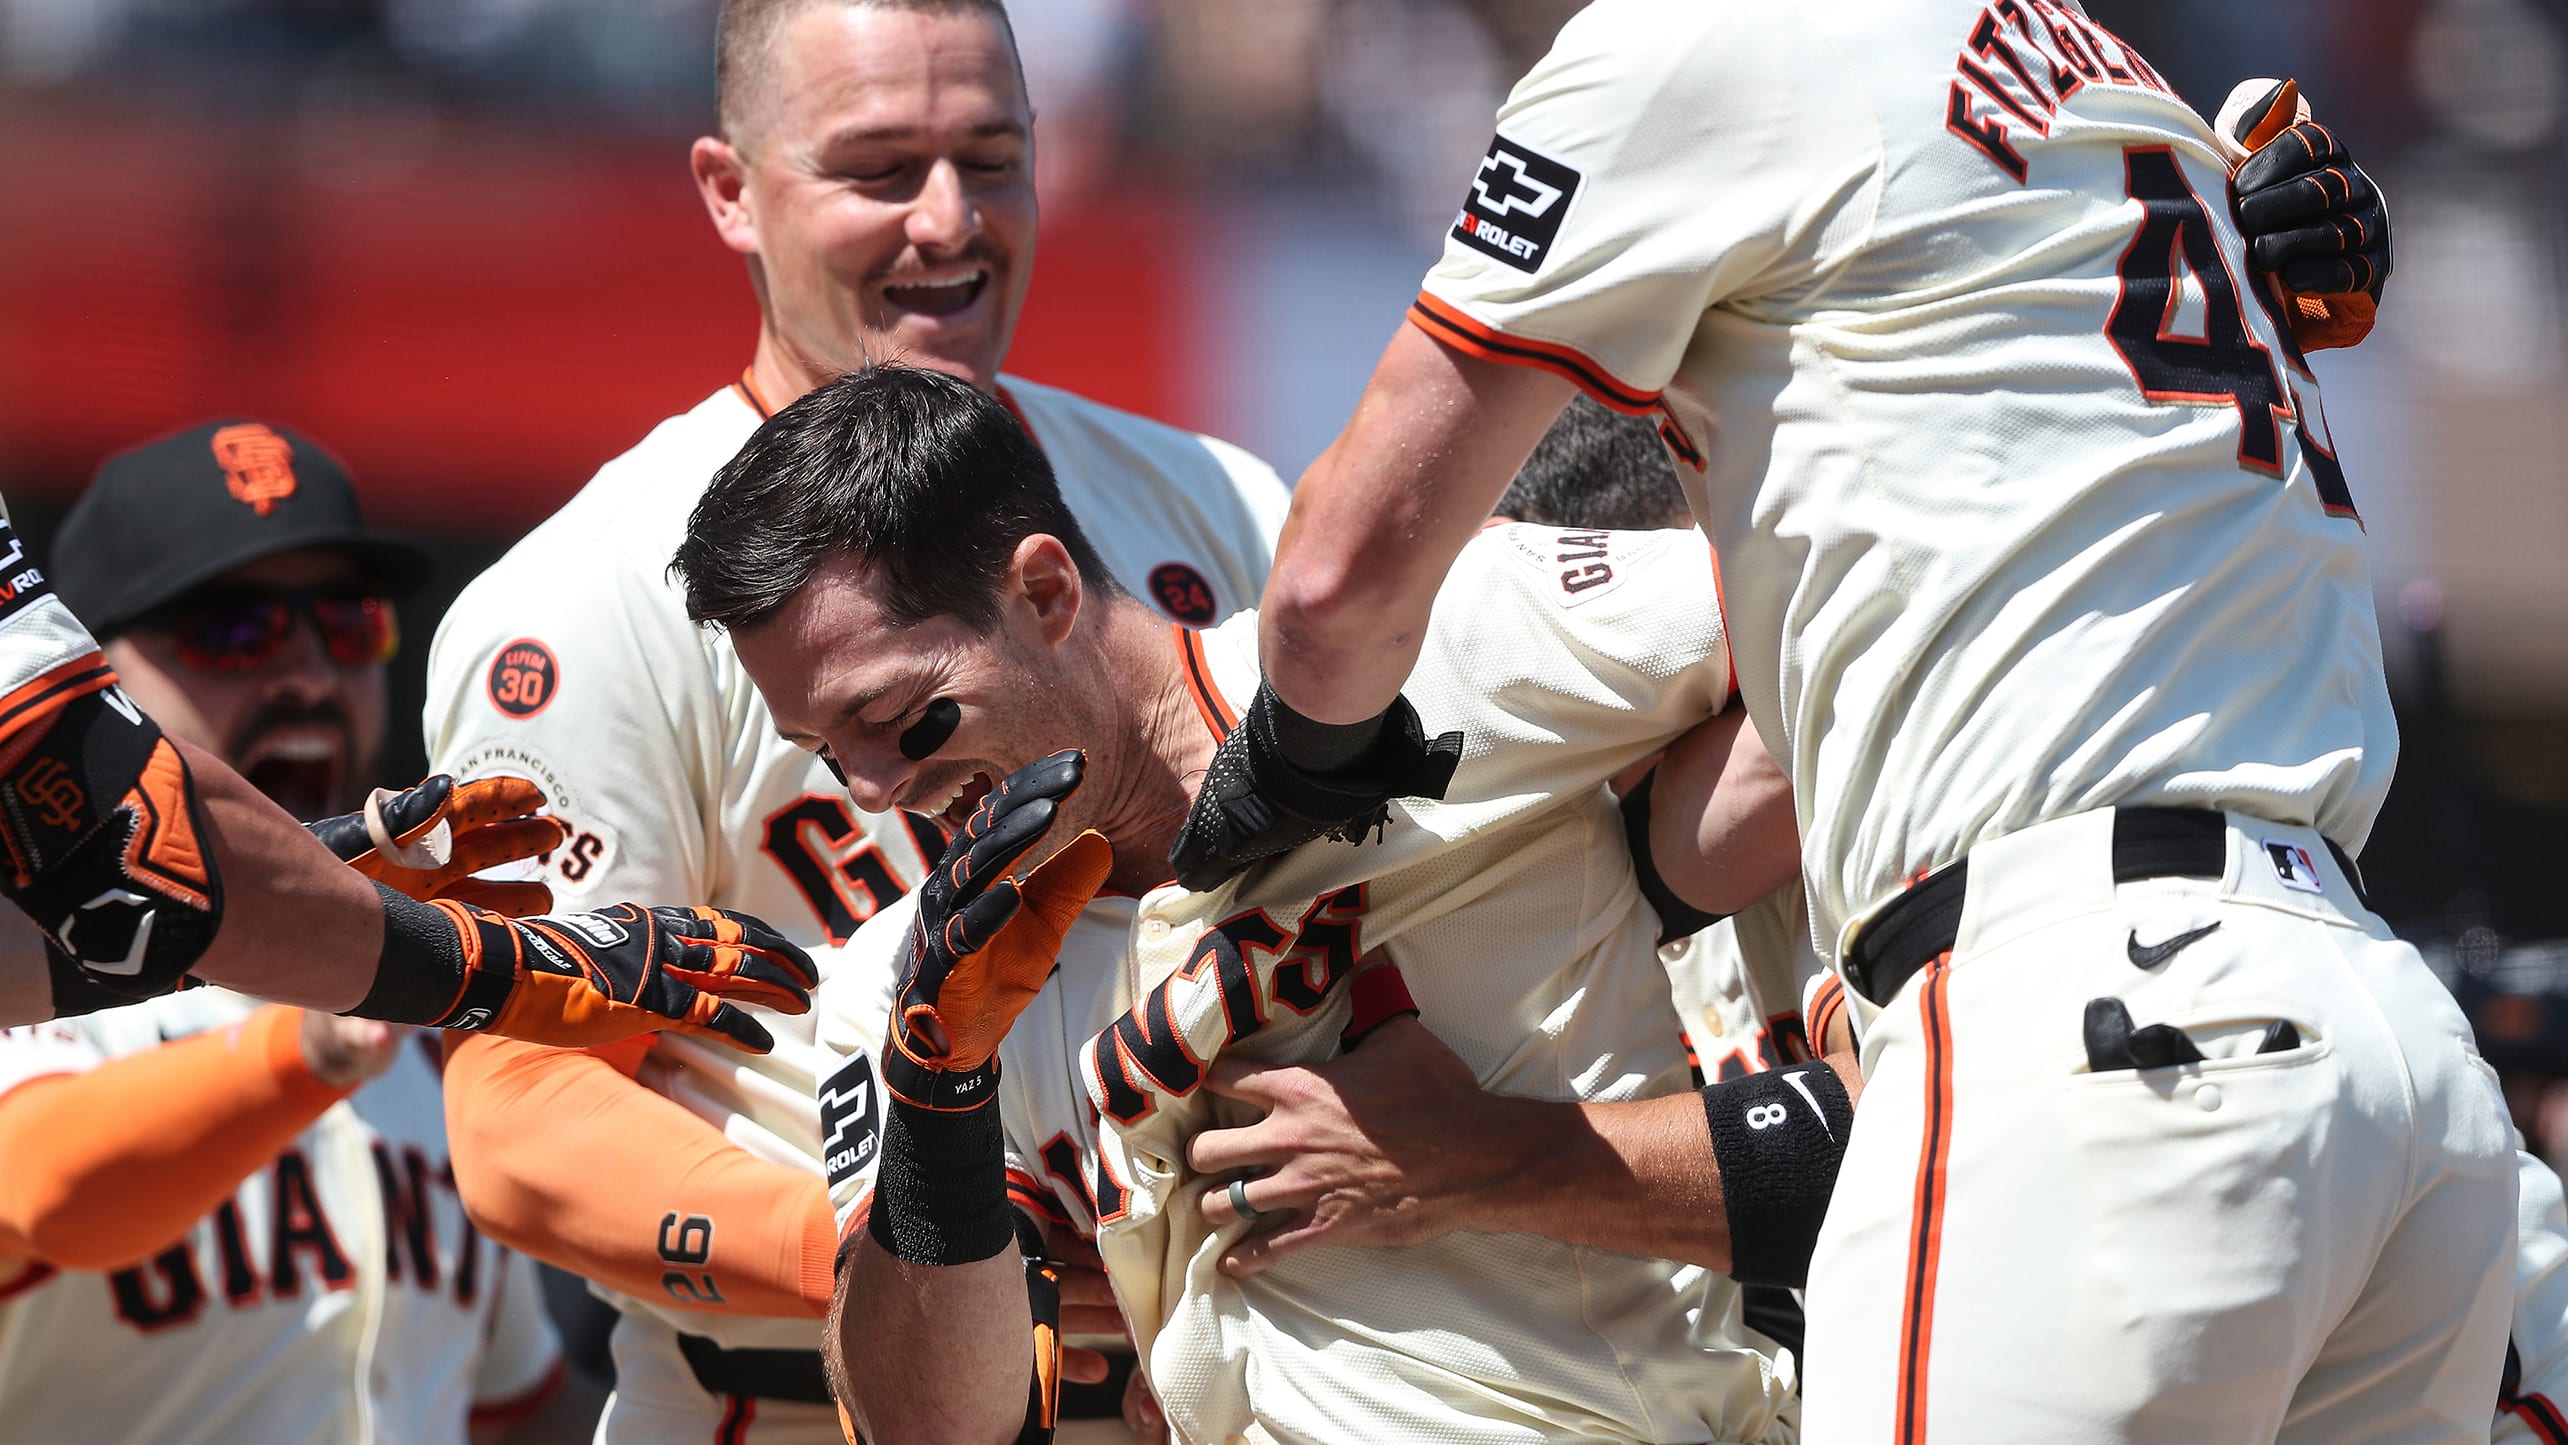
(838, 673)
(888, 176)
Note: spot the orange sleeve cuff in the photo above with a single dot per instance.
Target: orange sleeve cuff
(108, 1166)
(561, 1156)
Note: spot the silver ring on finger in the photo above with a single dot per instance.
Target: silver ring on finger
(1239, 1200)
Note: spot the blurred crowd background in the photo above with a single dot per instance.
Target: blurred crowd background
(455, 241)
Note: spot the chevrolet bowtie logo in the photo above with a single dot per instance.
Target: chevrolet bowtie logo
(1515, 191)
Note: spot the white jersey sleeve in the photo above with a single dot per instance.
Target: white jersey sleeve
(35, 1051)
(2535, 1406)
(853, 1004)
(1584, 242)
(37, 632)
(582, 675)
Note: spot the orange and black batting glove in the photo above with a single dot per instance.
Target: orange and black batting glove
(983, 943)
(2316, 226)
(576, 980)
(430, 840)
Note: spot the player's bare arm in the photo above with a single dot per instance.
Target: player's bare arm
(1327, 741)
(1377, 520)
(1722, 829)
(294, 922)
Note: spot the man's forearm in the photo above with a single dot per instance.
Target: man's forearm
(299, 926)
(1376, 522)
(932, 1353)
(1723, 830)
(1636, 1177)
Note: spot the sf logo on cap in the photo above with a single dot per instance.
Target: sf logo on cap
(258, 465)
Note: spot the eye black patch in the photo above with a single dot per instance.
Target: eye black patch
(921, 739)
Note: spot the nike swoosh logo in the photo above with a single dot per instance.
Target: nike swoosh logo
(1803, 1088)
(2157, 953)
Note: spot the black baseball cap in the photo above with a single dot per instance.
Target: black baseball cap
(171, 515)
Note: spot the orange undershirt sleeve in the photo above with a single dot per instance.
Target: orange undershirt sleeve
(109, 1166)
(561, 1155)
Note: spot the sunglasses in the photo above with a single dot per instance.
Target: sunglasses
(243, 631)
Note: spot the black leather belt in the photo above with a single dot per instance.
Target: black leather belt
(1921, 924)
(762, 1374)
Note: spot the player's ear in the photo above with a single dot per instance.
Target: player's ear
(721, 178)
(1044, 580)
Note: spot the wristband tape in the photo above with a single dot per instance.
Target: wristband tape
(942, 1091)
(1778, 1137)
(941, 1191)
(426, 975)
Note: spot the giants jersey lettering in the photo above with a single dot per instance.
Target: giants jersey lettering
(1511, 910)
(571, 662)
(339, 1295)
(2025, 503)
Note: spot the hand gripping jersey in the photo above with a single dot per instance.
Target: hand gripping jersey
(1511, 910)
(339, 1297)
(571, 662)
(2025, 504)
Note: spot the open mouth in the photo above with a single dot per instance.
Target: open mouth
(303, 767)
(956, 809)
(945, 296)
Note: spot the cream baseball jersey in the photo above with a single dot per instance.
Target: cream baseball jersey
(2025, 503)
(571, 662)
(1737, 987)
(2533, 1407)
(338, 1297)
(1511, 910)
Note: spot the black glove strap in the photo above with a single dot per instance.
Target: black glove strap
(941, 1196)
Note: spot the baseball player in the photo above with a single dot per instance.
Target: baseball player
(224, 1222)
(2039, 556)
(876, 169)
(113, 849)
(1511, 908)
(1736, 996)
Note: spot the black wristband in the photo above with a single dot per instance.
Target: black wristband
(1778, 1137)
(1677, 918)
(420, 972)
(941, 1194)
(1310, 745)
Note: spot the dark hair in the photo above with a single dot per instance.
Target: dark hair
(921, 475)
(745, 34)
(1598, 468)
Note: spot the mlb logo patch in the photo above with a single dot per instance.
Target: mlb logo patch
(2294, 866)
